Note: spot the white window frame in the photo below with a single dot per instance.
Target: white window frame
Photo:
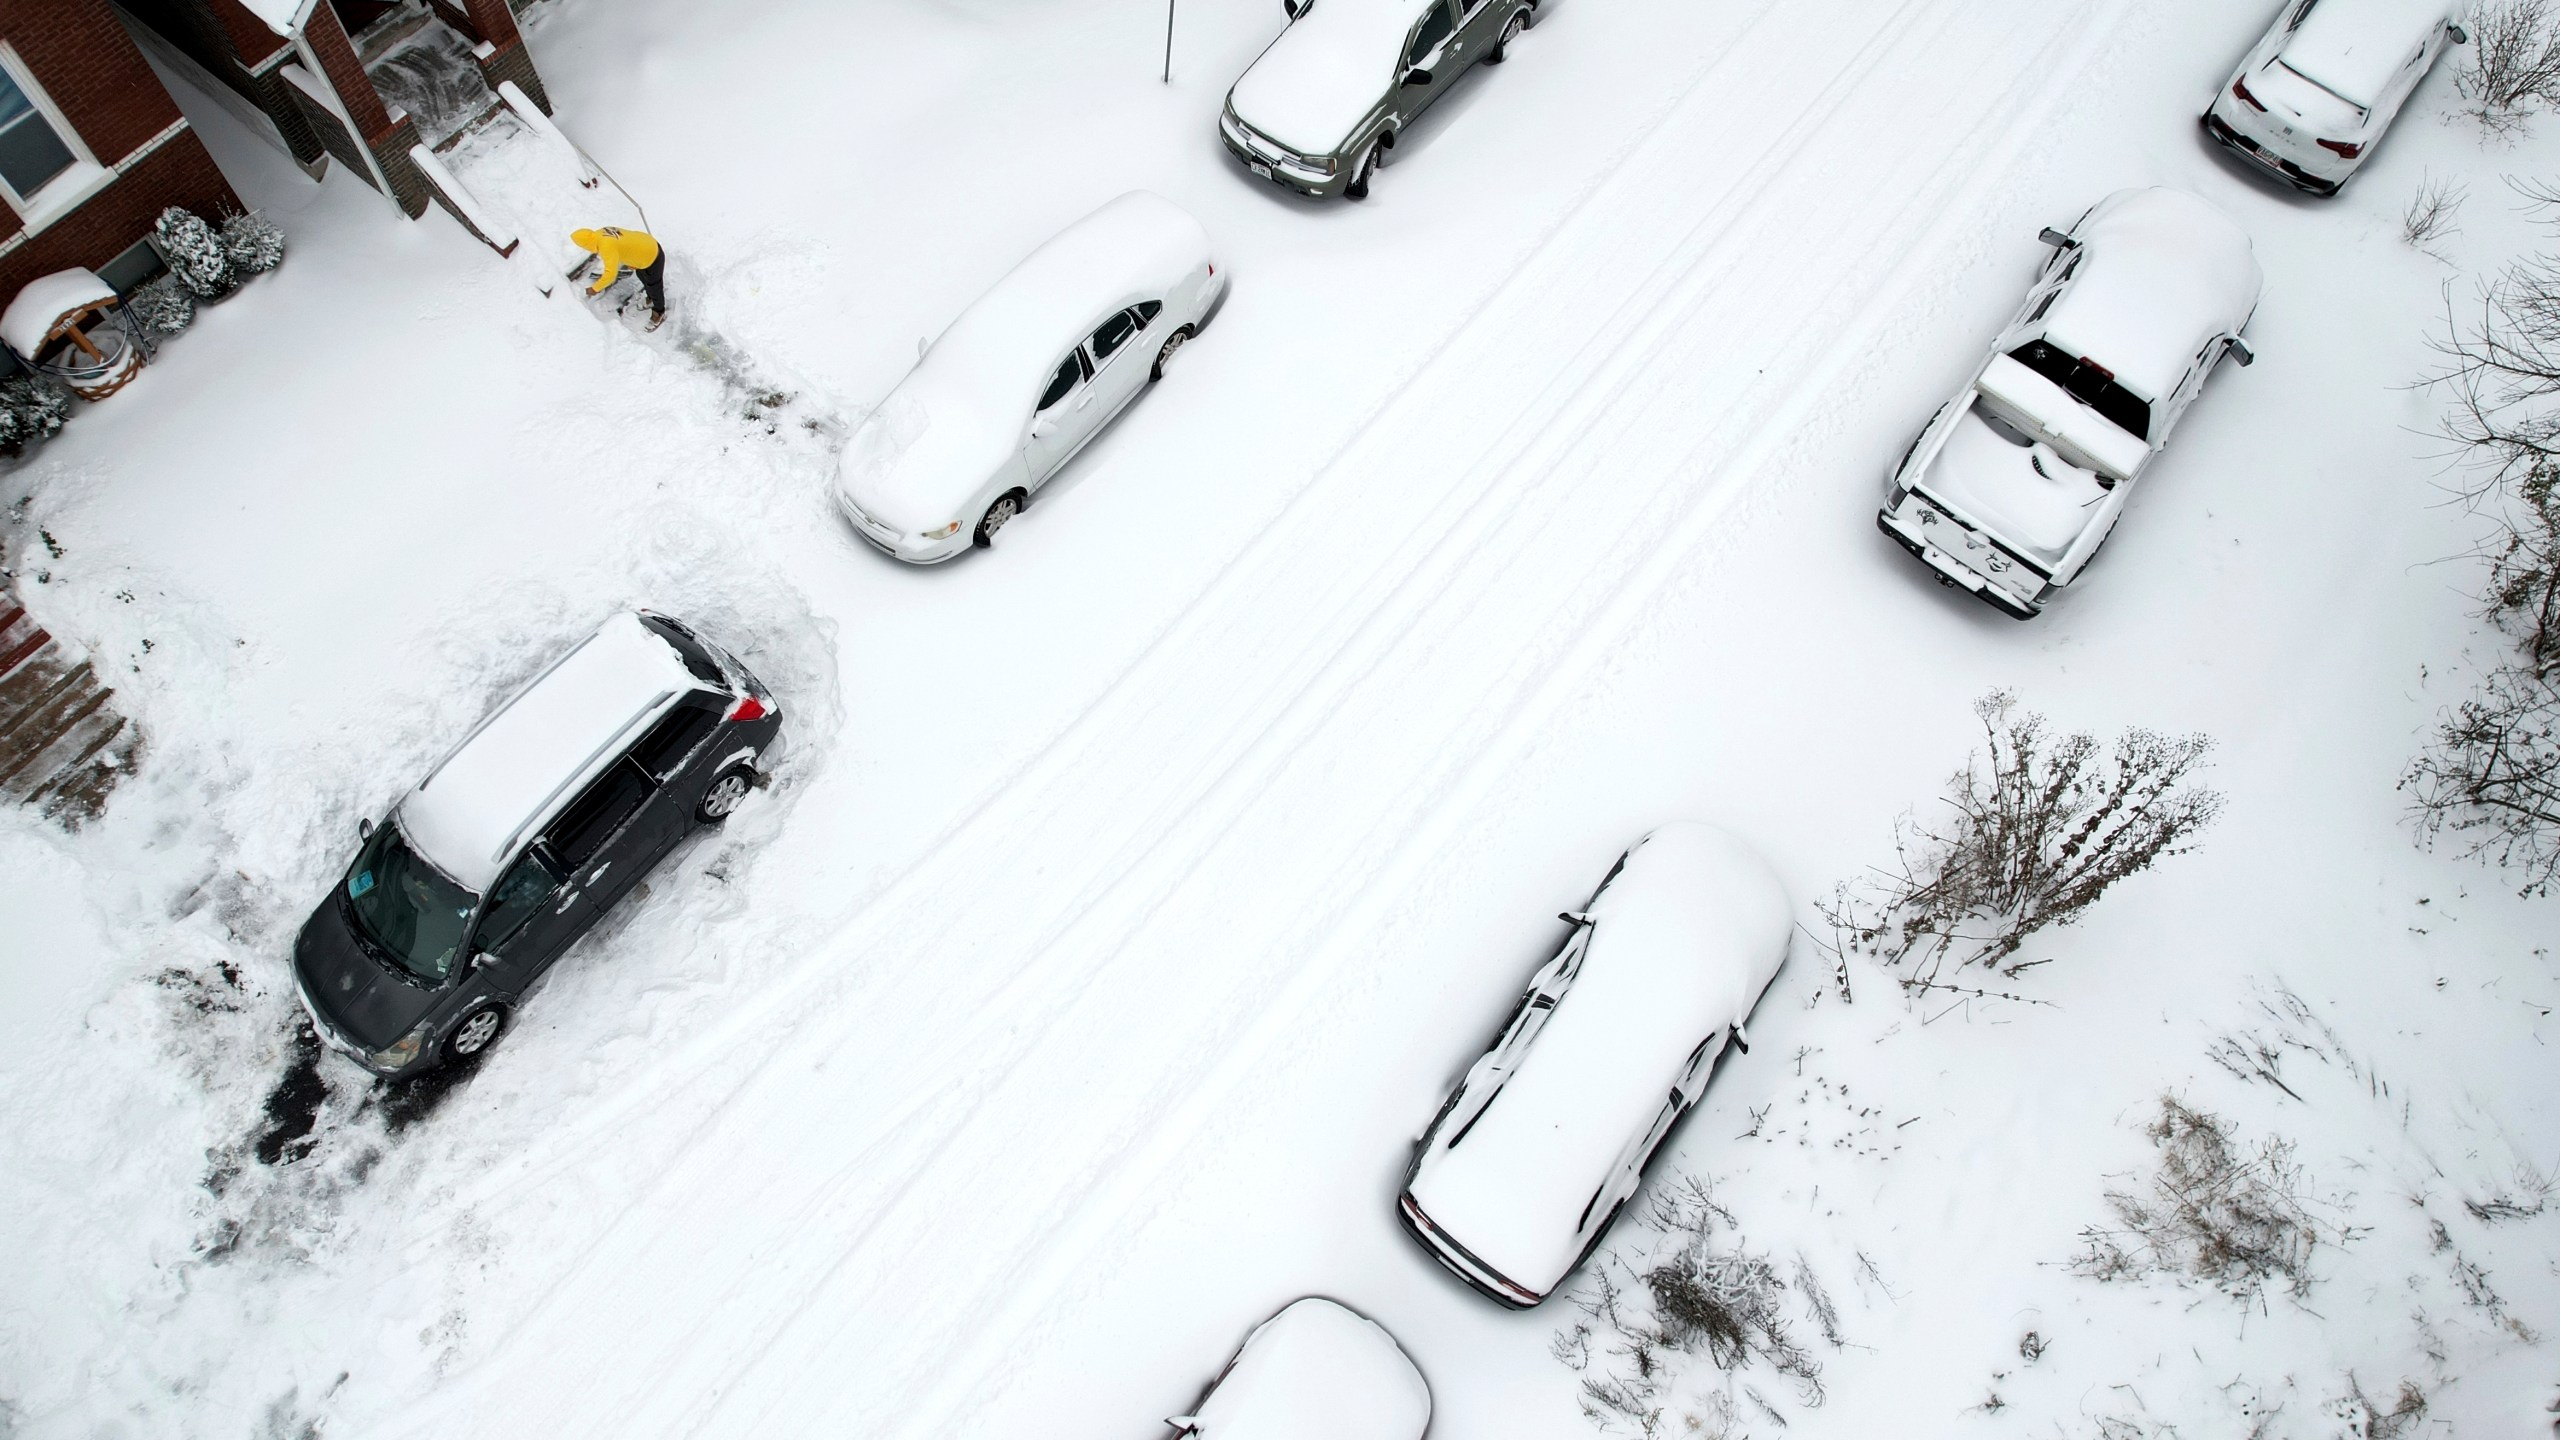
(65, 192)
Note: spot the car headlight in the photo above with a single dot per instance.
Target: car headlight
(399, 1053)
(945, 533)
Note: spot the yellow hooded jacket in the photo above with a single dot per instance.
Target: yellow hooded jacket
(617, 247)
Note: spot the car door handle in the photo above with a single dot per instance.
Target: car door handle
(598, 873)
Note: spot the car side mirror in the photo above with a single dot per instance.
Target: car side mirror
(922, 345)
(1417, 76)
(482, 959)
(1184, 1423)
(2460, 35)
(1296, 8)
(364, 829)
(1573, 917)
(2241, 352)
(1741, 1041)
(2056, 238)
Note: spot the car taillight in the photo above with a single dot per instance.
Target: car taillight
(748, 708)
(2346, 148)
(2241, 89)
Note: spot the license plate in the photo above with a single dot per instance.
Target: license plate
(1258, 168)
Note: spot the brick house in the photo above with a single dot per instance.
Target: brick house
(91, 147)
(320, 79)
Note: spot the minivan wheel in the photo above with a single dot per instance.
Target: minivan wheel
(1511, 29)
(1008, 505)
(1164, 356)
(476, 1034)
(1362, 170)
(727, 791)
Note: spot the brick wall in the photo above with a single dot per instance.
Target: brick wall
(92, 72)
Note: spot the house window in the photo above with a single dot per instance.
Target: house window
(32, 152)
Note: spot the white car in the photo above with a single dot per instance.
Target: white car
(1026, 377)
(1548, 1134)
(2313, 98)
(1318, 1370)
(2015, 484)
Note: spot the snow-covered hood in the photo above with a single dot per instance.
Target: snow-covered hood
(1319, 1371)
(1326, 72)
(2165, 272)
(959, 417)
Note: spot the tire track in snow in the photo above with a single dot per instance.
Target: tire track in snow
(1458, 560)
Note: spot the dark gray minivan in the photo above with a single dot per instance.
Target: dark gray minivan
(524, 836)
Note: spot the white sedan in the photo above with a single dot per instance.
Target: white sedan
(1318, 1370)
(1026, 377)
(2016, 483)
(2314, 96)
(1548, 1135)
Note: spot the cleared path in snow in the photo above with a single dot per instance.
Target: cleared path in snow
(934, 1103)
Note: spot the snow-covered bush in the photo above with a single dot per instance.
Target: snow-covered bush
(2213, 1212)
(254, 243)
(1679, 1291)
(2043, 827)
(2492, 773)
(32, 408)
(2515, 62)
(163, 307)
(195, 253)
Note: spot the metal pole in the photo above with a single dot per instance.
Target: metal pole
(1168, 41)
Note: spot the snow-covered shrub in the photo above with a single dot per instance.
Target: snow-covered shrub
(1678, 1292)
(2515, 62)
(2431, 213)
(2492, 773)
(2234, 1219)
(32, 408)
(2043, 826)
(195, 253)
(163, 307)
(254, 243)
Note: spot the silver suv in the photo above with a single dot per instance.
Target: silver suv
(1319, 109)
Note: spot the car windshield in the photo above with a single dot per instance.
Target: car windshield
(405, 908)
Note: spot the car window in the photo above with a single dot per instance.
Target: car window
(1070, 372)
(2093, 385)
(521, 894)
(583, 828)
(1113, 334)
(1148, 310)
(661, 752)
(696, 659)
(1435, 28)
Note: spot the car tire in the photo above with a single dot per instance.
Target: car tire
(1000, 514)
(727, 790)
(478, 1031)
(1363, 170)
(1511, 29)
(1164, 357)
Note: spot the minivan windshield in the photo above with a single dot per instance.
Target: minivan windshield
(405, 908)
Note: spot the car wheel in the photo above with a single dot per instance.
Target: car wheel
(1511, 29)
(476, 1033)
(1008, 505)
(1164, 357)
(1363, 170)
(727, 792)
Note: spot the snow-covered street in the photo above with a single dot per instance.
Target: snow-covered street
(1129, 895)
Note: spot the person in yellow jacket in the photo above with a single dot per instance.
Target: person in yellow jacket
(638, 249)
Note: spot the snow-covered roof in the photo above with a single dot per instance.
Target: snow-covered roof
(1326, 71)
(2163, 272)
(2354, 47)
(527, 759)
(962, 412)
(28, 323)
(1318, 1370)
(282, 16)
(1682, 943)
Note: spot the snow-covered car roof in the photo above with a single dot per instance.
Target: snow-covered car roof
(472, 810)
(2352, 48)
(1326, 71)
(961, 412)
(1318, 1370)
(2162, 272)
(28, 322)
(1682, 944)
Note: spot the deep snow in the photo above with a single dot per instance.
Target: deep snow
(1129, 896)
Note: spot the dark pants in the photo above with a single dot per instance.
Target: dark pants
(653, 282)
